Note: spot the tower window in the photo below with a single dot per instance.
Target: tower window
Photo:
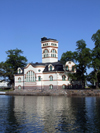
(53, 44)
(53, 51)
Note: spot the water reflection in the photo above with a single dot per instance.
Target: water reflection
(46, 114)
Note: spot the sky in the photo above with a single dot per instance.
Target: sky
(24, 22)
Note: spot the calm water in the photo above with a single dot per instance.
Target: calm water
(47, 114)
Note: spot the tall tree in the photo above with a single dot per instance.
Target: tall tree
(96, 55)
(14, 60)
(82, 56)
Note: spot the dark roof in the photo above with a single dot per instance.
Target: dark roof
(57, 67)
(45, 39)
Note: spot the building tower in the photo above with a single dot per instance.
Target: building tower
(49, 50)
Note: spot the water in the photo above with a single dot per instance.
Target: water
(47, 114)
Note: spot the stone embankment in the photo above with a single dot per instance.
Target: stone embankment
(68, 92)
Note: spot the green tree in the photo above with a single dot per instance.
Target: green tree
(84, 59)
(68, 56)
(82, 56)
(14, 60)
(96, 55)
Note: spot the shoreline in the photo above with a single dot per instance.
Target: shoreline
(67, 92)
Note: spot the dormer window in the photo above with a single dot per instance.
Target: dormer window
(66, 68)
(19, 70)
(73, 68)
(50, 68)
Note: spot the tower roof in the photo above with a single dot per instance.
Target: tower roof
(47, 39)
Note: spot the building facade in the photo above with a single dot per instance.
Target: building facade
(50, 74)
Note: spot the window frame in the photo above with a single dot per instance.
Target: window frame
(50, 86)
(63, 78)
(51, 78)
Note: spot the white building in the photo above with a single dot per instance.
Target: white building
(50, 74)
(4, 84)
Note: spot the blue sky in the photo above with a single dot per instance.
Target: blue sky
(24, 22)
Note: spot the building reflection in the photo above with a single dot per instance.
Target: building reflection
(46, 112)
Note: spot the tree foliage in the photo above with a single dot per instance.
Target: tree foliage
(96, 56)
(82, 56)
(14, 60)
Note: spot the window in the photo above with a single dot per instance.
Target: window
(39, 70)
(46, 44)
(53, 51)
(51, 78)
(19, 79)
(72, 68)
(30, 76)
(50, 68)
(39, 78)
(66, 68)
(63, 77)
(45, 51)
(64, 87)
(19, 87)
(53, 44)
(50, 86)
(19, 71)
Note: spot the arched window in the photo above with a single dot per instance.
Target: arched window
(72, 68)
(50, 86)
(51, 78)
(66, 68)
(50, 68)
(63, 77)
(63, 86)
(19, 87)
(30, 76)
(19, 79)
(53, 51)
(45, 51)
